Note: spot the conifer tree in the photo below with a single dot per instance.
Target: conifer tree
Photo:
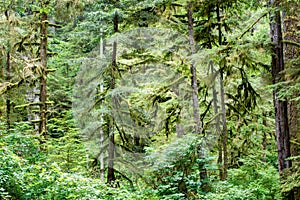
(114, 68)
(280, 105)
(43, 77)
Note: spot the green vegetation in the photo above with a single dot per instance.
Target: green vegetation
(127, 99)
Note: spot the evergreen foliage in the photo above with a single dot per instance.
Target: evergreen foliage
(119, 80)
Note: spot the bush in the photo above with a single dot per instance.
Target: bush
(174, 169)
(253, 180)
(25, 174)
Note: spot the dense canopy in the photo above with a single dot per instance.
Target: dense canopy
(160, 99)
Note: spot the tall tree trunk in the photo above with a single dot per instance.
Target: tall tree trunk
(111, 147)
(196, 111)
(8, 74)
(32, 96)
(223, 108)
(179, 125)
(101, 119)
(281, 117)
(264, 139)
(281, 114)
(111, 153)
(43, 78)
(194, 83)
(101, 144)
(217, 121)
(179, 130)
(8, 103)
(291, 52)
(224, 128)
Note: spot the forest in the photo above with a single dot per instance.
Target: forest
(150, 99)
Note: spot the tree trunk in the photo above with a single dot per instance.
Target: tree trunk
(43, 78)
(111, 148)
(224, 128)
(291, 52)
(179, 130)
(264, 139)
(101, 119)
(101, 144)
(217, 122)
(196, 111)
(32, 96)
(111, 154)
(281, 114)
(8, 74)
(8, 103)
(179, 125)
(194, 83)
(223, 108)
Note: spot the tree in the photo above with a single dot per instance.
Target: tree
(114, 68)
(8, 70)
(195, 97)
(43, 77)
(281, 117)
(280, 105)
(10, 34)
(290, 90)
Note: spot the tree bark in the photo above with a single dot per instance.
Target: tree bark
(291, 28)
(224, 128)
(223, 107)
(111, 147)
(179, 125)
(111, 154)
(196, 111)
(8, 103)
(43, 76)
(291, 52)
(217, 122)
(101, 118)
(264, 139)
(194, 83)
(8, 74)
(281, 114)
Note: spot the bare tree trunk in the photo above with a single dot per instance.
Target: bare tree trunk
(224, 128)
(111, 154)
(194, 84)
(8, 74)
(264, 139)
(101, 119)
(291, 52)
(281, 114)
(179, 129)
(179, 125)
(8, 103)
(101, 144)
(111, 148)
(223, 108)
(217, 121)
(32, 96)
(43, 78)
(291, 28)
(281, 117)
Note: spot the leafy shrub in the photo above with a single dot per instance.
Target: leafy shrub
(291, 176)
(10, 164)
(25, 174)
(253, 180)
(174, 171)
